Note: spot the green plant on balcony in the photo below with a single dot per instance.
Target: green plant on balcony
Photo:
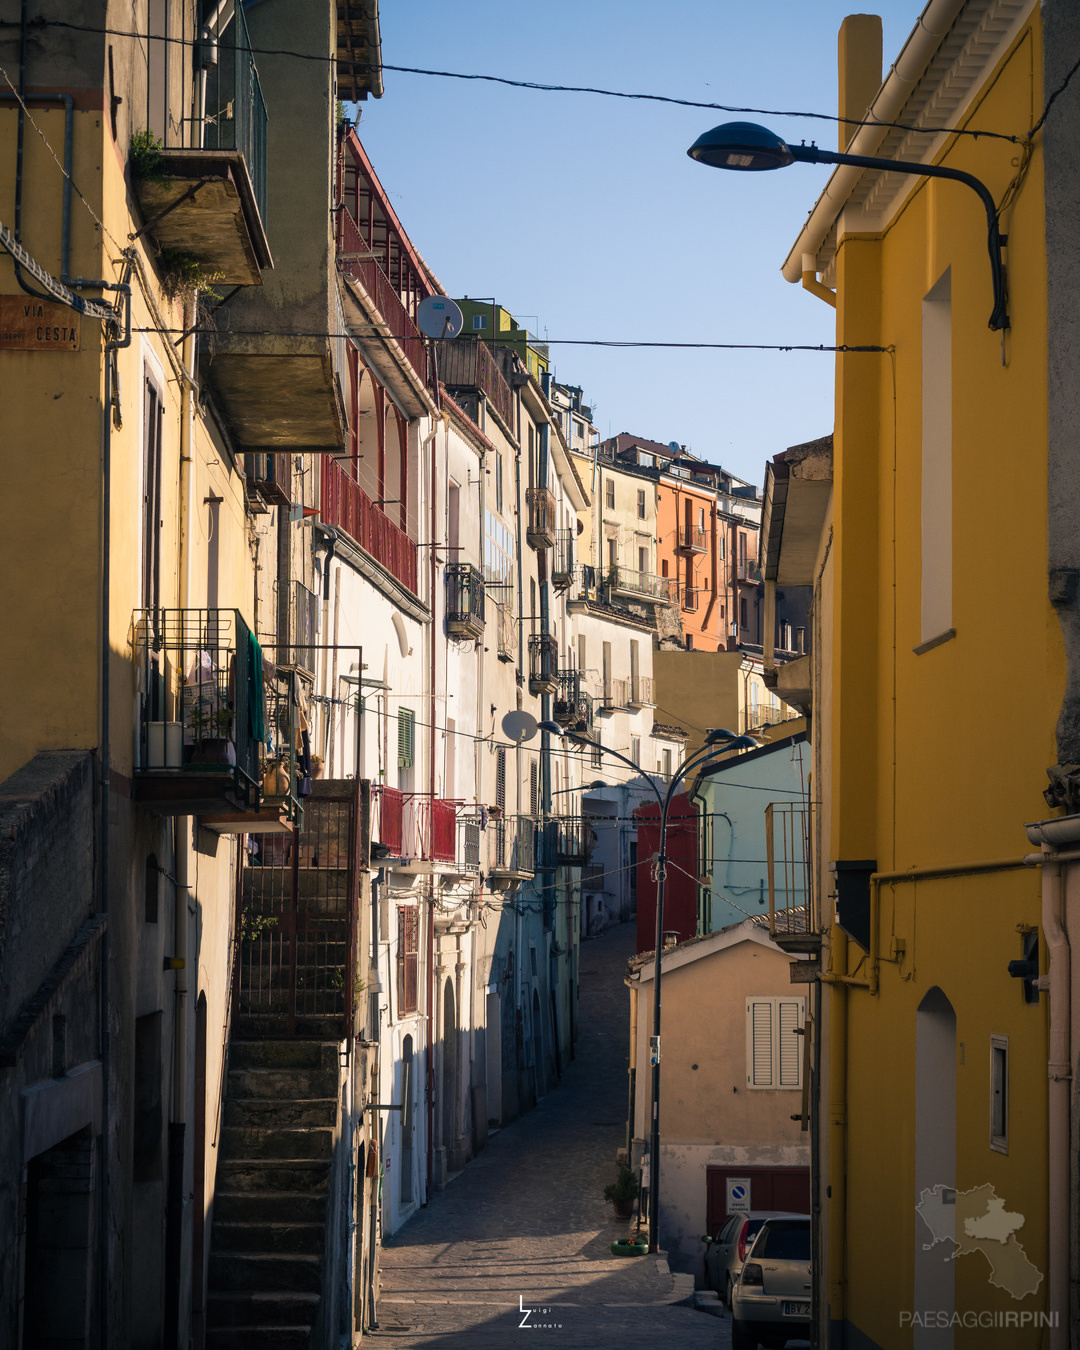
(184, 278)
(145, 157)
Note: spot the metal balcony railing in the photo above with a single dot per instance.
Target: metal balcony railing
(513, 846)
(344, 504)
(354, 258)
(430, 829)
(693, 540)
(788, 855)
(388, 819)
(235, 111)
(642, 585)
(541, 530)
(209, 707)
(749, 570)
(572, 705)
(574, 839)
(271, 476)
(543, 663)
(469, 364)
(303, 626)
(469, 845)
(691, 598)
(464, 600)
(562, 564)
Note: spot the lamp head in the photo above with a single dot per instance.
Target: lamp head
(552, 728)
(742, 146)
(719, 734)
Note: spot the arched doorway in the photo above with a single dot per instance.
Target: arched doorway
(408, 1123)
(538, 1046)
(935, 1164)
(450, 1070)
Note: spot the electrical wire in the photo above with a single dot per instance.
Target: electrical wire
(535, 86)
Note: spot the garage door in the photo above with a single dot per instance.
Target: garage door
(770, 1188)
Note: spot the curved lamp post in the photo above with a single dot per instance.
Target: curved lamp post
(745, 146)
(716, 743)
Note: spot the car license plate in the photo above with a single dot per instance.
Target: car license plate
(796, 1309)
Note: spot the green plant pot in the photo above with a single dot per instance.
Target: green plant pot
(622, 1248)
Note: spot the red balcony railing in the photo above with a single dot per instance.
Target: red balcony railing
(430, 828)
(346, 505)
(469, 364)
(351, 246)
(389, 827)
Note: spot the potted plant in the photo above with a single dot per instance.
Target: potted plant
(622, 1192)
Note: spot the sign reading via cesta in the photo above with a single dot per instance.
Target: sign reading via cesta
(31, 325)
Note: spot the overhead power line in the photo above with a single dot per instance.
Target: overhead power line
(538, 86)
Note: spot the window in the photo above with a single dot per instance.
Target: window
(774, 1042)
(498, 484)
(641, 503)
(643, 559)
(701, 519)
(742, 613)
(689, 642)
(597, 753)
(153, 417)
(534, 787)
(999, 1093)
(606, 672)
(613, 552)
(406, 738)
(635, 750)
(937, 472)
(667, 764)
(479, 322)
(500, 779)
(609, 494)
(407, 958)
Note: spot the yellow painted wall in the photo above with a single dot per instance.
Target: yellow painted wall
(938, 758)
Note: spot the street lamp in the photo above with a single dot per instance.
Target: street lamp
(716, 743)
(745, 146)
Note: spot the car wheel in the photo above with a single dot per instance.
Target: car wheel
(742, 1338)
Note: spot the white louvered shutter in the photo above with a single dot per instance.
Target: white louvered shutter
(789, 1042)
(759, 1042)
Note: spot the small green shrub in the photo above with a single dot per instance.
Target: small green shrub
(145, 157)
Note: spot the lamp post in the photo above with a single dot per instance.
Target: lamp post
(716, 743)
(745, 146)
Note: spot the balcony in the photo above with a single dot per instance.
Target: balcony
(429, 834)
(562, 563)
(344, 504)
(541, 531)
(303, 627)
(469, 364)
(507, 633)
(641, 692)
(574, 838)
(693, 540)
(269, 476)
(543, 664)
(794, 922)
(379, 296)
(388, 821)
(691, 598)
(511, 850)
(216, 723)
(464, 601)
(749, 570)
(622, 581)
(572, 706)
(209, 204)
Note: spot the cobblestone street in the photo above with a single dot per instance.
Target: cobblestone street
(525, 1226)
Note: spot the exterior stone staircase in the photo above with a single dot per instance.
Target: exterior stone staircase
(268, 1243)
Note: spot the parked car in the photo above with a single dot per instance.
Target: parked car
(771, 1299)
(726, 1252)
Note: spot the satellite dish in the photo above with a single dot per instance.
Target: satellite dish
(673, 446)
(439, 317)
(519, 726)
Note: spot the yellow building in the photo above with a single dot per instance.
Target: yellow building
(941, 726)
(938, 672)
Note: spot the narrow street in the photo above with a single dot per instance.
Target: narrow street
(525, 1226)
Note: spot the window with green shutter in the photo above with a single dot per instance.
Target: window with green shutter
(406, 738)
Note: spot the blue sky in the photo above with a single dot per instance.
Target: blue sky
(585, 218)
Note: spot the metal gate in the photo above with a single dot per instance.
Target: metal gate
(297, 922)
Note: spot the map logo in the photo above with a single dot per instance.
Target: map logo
(977, 1221)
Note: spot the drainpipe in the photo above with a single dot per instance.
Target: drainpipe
(810, 282)
(181, 846)
(1058, 983)
(428, 446)
(834, 1310)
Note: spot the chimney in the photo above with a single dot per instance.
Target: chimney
(859, 68)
